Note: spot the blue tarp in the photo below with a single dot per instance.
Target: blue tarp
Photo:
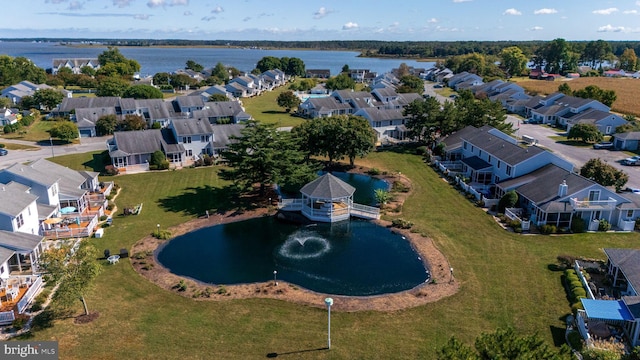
(607, 309)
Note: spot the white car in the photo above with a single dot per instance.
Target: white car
(634, 160)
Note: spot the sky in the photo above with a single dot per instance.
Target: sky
(399, 20)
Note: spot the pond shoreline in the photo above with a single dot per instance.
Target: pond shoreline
(442, 284)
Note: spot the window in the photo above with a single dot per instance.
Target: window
(608, 130)
(480, 154)
(29, 210)
(204, 138)
(489, 159)
(189, 152)
(594, 195)
(54, 189)
(508, 170)
(499, 163)
(464, 145)
(629, 214)
(20, 220)
(186, 139)
(472, 148)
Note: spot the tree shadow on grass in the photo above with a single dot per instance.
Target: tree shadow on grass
(574, 143)
(275, 112)
(198, 200)
(98, 162)
(558, 335)
(409, 148)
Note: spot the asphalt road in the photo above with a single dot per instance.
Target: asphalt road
(578, 156)
(45, 150)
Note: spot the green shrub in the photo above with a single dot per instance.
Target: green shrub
(604, 225)
(111, 206)
(148, 267)
(507, 200)
(161, 234)
(36, 307)
(221, 290)
(422, 150)
(43, 320)
(18, 323)
(381, 196)
(397, 186)
(373, 172)
(103, 218)
(181, 286)
(578, 225)
(42, 297)
(401, 223)
(548, 229)
(111, 170)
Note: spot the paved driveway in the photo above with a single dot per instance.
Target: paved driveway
(578, 156)
(44, 150)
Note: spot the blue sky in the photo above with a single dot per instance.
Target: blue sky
(401, 20)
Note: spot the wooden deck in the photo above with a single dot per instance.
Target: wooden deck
(11, 305)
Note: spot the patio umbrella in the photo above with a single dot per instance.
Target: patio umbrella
(67, 210)
(51, 221)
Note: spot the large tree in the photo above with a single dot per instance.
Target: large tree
(340, 82)
(192, 65)
(65, 130)
(75, 272)
(288, 100)
(422, 118)
(142, 91)
(628, 60)
(411, 84)
(14, 70)
(596, 52)
(133, 122)
(606, 97)
(585, 132)
(106, 124)
(513, 60)
(359, 138)
(112, 86)
(557, 56)
(262, 155)
(604, 174)
(122, 65)
(48, 98)
(293, 66)
(268, 63)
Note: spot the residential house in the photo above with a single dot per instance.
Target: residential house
(357, 99)
(222, 112)
(323, 107)
(553, 108)
(211, 90)
(9, 116)
(626, 141)
(605, 121)
(222, 136)
(623, 267)
(274, 78)
(238, 90)
(18, 212)
(16, 92)
(248, 85)
(443, 75)
(131, 150)
(467, 84)
(188, 104)
(75, 65)
(387, 123)
(194, 135)
(556, 196)
(318, 73)
(537, 73)
(615, 73)
(463, 77)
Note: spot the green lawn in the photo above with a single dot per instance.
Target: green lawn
(505, 281)
(12, 146)
(265, 108)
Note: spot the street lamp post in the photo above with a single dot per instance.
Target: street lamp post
(328, 301)
(158, 227)
(275, 280)
(51, 144)
(451, 270)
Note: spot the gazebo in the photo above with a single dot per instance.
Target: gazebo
(327, 199)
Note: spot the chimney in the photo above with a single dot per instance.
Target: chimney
(563, 189)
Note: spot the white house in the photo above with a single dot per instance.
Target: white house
(195, 136)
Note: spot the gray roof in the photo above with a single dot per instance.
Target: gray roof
(70, 181)
(217, 109)
(138, 142)
(633, 135)
(5, 254)
(628, 261)
(69, 104)
(19, 241)
(14, 198)
(156, 109)
(375, 114)
(509, 153)
(328, 187)
(476, 163)
(454, 141)
(590, 116)
(408, 98)
(28, 172)
(45, 210)
(327, 103)
(222, 134)
(91, 115)
(186, 127)
(189, 101)
(534, 101)
(541, 186)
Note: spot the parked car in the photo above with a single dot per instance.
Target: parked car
(603, 145)
(634, 160)
(437, 86)
(3, 152)
(633, 190)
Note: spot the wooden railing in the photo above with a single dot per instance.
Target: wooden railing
(364, 211)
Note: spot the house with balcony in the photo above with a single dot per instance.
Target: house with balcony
(222, 112)
(556, 196)
(557, 107)
(464, 77)
(323, 107)
(132, 150)
(387, 123)
(18, 212)
(213, 90)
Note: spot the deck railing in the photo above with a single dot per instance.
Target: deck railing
(593, 205)
(7, 317)
(30, 294)
(364, 211)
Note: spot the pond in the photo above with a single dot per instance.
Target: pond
(356, 257)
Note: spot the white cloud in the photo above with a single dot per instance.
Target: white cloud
(638, 3)
(121, 3)
(545, 11)
(208, 18)
(609, 28)
(179, 3)
(322, 12)
(461, 1)
(141, 17)
(511, 11)
(432, 21)
(162, 3)
(188, 13)
(608, 11)
(632, 12)
(155, 3)
(349, 26)
(217, 10)
(536, 28)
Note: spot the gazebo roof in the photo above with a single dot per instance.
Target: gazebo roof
(328, 186)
